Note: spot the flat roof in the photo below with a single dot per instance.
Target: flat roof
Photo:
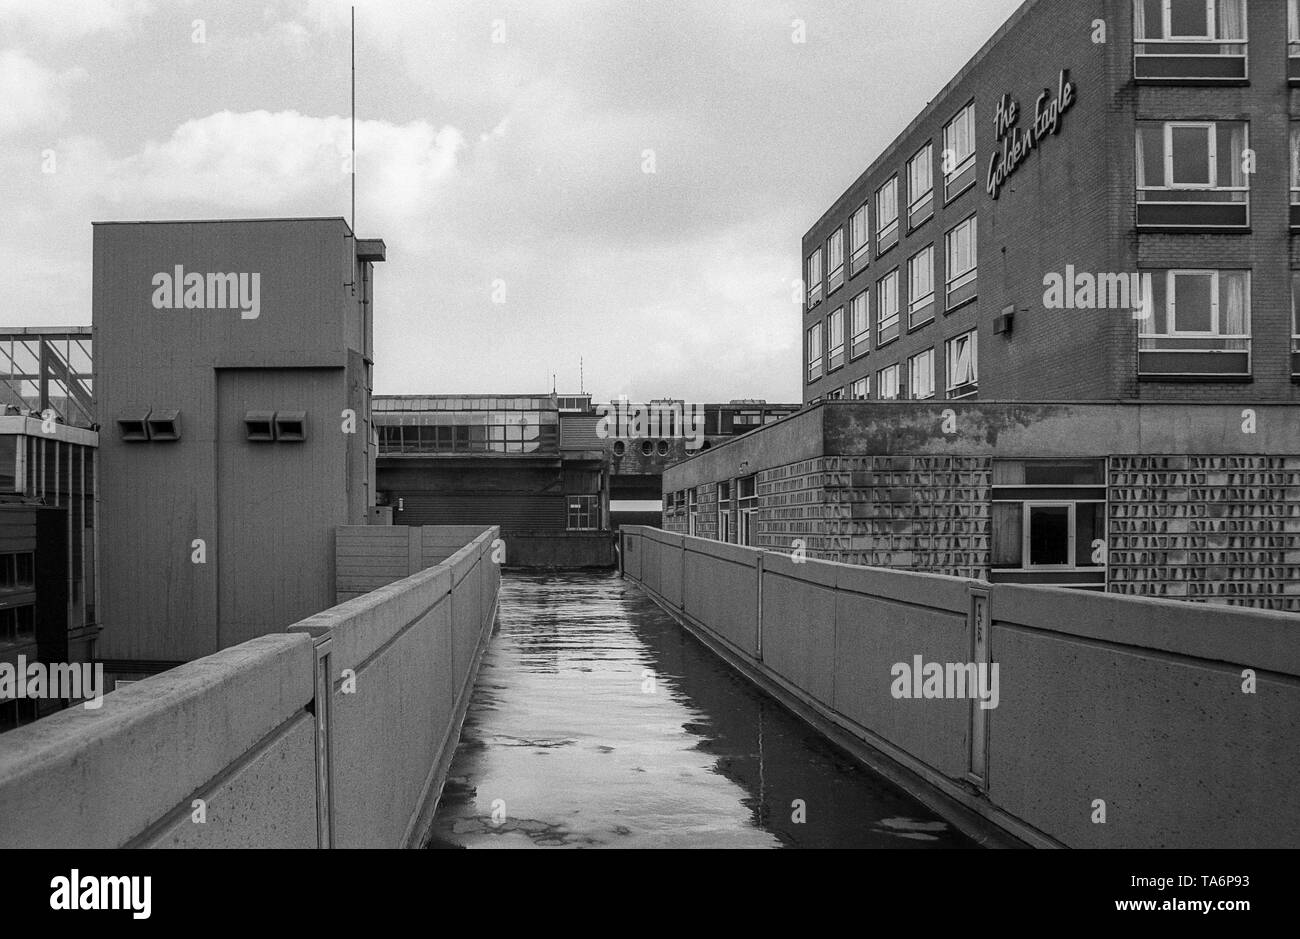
(45, 330)
(33, 427)
(218, 221)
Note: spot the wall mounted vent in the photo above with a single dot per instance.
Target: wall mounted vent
(260, 426)
(134, 427)
(164, 425)
(290, 426)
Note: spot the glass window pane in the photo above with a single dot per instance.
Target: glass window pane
(1193, 303)
(1150, 19)
(1190, 147)
(1189, 19)
(1090, 525)
(1064, 473)
(1049, 535)
(1151, 155)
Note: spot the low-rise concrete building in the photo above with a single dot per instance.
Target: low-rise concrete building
(1195, 502)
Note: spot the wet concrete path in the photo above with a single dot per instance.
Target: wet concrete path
(598, 721)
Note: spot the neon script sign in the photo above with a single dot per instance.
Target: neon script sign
(1014, 143)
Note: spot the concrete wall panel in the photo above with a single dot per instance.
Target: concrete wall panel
(799, 624)
(1136, 702)
(102, 778)
(269, 800)
(721, 589)
(871, 637)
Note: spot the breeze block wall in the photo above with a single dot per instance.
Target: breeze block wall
(1224, 529)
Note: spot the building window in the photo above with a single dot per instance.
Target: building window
(920, 287)
(920, 187)
(963, 263)
(1295, 325)
(692, 512)
(887, 308)
(860, 323)
(887, 383)
(747, 508)
(1293, 39)
(963, 376)
(17, 573)
(835, 252)
(836, 395)
(959, 153)
(815, 278)
(1199, 324)
(724, 512)
(1189, 40)
(815, 352)
(860, 390)
(1192, 174)
(920, 376)
(887, 216)
(584, 513)
(1049, 523)
(1295, 172)
(835, 342)
(859, 241)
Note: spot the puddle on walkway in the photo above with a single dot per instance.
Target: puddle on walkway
(597, 721)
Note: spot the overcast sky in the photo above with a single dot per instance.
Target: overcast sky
(482, 163)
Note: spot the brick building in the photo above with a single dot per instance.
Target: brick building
(1062, 301)
(1143, 150)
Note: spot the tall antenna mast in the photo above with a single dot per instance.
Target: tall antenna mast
(582, 381)
(354, 122)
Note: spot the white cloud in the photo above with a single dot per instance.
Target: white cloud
(34, 96)
(289, 163)
(62, 19)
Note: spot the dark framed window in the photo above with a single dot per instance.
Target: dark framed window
(920, 187)
(1190, 41)
(1199, 324)
(1049, 523)
(959, 153)
(584, 513)
(1192, 175)
(887, 216)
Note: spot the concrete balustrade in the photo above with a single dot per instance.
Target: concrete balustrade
(270, 741)
(1131, 702)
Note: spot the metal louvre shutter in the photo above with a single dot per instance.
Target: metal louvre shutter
(511, 512)
(579, 433)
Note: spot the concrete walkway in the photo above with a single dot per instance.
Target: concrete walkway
(598, 721)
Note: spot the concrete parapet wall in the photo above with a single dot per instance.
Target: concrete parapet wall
(1135, 703)
(367, 557)
(231, 729)
(282, 745)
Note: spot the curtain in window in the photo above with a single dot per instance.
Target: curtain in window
(1005, 544)
(1293, 17)
(1141, 159)
(1295, 157)
(1231, 21)
(1140, 19)
(1235, 319)
(1236, 156)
